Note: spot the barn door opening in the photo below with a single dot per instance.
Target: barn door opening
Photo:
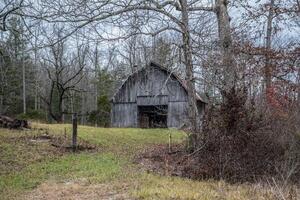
(153, 116)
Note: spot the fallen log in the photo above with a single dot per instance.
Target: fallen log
(8, 122)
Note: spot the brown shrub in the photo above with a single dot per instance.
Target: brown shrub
(244, 141)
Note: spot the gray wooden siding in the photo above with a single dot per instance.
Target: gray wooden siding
(152, 100)
(124, 115)
(127, 93)
(150, 82)
(177, 113)
(141, 88)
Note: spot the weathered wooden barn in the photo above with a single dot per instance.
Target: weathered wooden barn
(152, 97)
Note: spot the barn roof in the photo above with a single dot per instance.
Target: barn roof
(181, 81)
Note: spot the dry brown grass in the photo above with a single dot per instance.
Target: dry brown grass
(73, 190)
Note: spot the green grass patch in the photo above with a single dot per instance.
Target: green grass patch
(24, 164)
(119, 140)
(94, 168)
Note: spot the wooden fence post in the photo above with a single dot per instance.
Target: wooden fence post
(74, 135)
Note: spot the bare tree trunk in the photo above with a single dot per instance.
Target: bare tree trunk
(192, 108)
(224, 30)
(298, 89)
(24, 84)
(63, 108)
(36, 95)
(96, 77)
(72, 102)
(60, 114)
(268, 67)
(1, 104)
(1, 81)
(83, 109)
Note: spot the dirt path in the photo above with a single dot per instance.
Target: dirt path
(76, 191)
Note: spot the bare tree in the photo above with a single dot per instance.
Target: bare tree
(8, 8)
(64, 72)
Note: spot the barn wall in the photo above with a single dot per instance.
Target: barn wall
(140, 88)
(127, 93)
(152, 101)
(177, 114)
(124, 115)
(150, 82)
(176, 92)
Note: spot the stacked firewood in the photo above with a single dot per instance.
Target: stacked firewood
(8, 122)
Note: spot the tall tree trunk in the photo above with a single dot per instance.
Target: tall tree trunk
(60, 114)
(228, 64)
(36, 95)
(96, 76)
(83, 109)
(229, 70)
(192, 108)
(298, 88)
(63, 114)
(1, 104)
(24, 83)
(268, 67)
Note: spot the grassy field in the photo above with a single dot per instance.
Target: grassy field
(37, 170)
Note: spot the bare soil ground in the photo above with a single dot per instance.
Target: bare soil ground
(157, 159)
(79, 190)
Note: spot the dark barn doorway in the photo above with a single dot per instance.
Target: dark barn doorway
(153, 116)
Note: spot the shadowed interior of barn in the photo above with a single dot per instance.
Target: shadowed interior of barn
(153, 116)
(152, 97)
